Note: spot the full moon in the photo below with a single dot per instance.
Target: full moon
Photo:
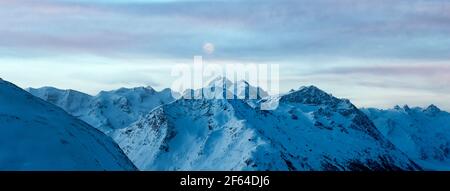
(208, 48)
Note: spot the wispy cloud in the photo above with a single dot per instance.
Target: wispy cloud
(430, 77)
(424, 70)
(381, 28)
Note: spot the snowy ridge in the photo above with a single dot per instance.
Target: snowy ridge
(109, 110)
(218, 134)
(423, 134)
(36, 135)
(71, 101)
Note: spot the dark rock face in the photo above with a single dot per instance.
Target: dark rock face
(310, 95)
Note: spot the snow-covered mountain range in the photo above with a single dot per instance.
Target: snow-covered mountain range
(309, 130)
(36, 135)
(422, 133)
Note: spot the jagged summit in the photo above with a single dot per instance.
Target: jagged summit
(219, 81)
(247, 91)
(166, 90)
(432, 109)
(309, 95)
(124, 90)
(221, 88)
(405, 108)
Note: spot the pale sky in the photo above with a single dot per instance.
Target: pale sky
(377, 53)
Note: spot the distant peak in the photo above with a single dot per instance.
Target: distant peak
(312, 91)
(311, 88)
(432, 109)
(246, 83)
(402, 108)
(166, 90)
(406, 107)
(219, 81)
(223, 81)
(140, 88)
(243, 81)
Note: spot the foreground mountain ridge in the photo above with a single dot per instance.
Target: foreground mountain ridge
(36, 135)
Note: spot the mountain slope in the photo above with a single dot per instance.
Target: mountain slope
(310, 130)
(109, 110)
(423, 134)
(36, 135)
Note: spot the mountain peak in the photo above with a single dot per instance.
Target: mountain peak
(124, 90)
(406, 107)
(402, 108)
(239, 89)
(243, 82)
(149, 87)
(220, 81)
(143, 88)
(432, 109)
(313, 90)
(309, 95)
